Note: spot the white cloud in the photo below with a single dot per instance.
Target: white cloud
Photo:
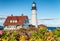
(2, 21)
(50, 22)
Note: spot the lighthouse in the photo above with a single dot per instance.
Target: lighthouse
(34, 15)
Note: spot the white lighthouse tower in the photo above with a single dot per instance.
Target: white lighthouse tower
(34, 15)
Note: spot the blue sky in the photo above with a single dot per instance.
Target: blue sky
(45, 8)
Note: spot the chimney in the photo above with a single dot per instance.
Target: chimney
(22, 14)
(11, 14)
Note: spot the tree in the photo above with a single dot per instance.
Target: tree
(35, 37)
(42, 30)
(56, 34)
(22, 38)
(9, 36)
(58, 38)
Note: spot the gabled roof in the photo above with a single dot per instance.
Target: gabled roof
(20, 20)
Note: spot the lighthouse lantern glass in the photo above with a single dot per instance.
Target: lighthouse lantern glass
(33, 5)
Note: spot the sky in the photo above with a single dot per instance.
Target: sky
(46, 9)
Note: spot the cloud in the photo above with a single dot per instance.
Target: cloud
(54, 23)
(2, 21)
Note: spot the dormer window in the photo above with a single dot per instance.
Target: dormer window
(13, 21)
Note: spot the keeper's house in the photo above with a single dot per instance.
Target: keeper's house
(16, 22)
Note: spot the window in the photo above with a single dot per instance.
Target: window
(15, 21)
(11, 21)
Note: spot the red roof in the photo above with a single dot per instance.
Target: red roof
(20, 20)
(42, 25)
